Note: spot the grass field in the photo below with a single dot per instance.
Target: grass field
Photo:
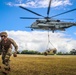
(42, 65)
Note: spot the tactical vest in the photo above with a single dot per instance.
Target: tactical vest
(5, 44)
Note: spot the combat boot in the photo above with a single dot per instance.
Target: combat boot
(5, 71)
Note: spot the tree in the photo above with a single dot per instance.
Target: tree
(73, 52)
(30, 52)
(24, 52)
(59, 53)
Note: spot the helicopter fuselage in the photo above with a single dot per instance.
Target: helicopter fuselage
(48, 23)
(51, 25)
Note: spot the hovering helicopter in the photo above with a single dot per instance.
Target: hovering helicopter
(48, 23)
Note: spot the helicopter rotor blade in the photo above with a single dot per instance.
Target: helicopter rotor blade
(31, 11)
(49, 8)
(29, 18)
(65, 18)
(63, 13)
(42, 18)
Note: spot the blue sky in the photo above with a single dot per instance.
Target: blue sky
(10, 14)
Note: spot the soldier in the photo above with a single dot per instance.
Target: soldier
(6, 50)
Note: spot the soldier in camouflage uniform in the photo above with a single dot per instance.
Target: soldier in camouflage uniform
(6, 49)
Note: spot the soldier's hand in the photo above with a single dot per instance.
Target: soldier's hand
(14, 54)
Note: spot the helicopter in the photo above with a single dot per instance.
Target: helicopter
(48, 23)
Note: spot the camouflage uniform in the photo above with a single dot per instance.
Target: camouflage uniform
(6, 50)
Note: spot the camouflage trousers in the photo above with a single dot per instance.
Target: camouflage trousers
(6, 58)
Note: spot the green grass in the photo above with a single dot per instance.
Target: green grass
(43, 65)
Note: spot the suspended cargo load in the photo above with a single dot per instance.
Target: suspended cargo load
(50, 47)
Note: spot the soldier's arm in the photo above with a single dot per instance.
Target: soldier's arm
(14, 44)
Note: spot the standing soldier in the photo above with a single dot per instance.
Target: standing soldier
(6, 50)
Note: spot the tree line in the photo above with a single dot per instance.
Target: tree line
(72, 52)
(28, 52)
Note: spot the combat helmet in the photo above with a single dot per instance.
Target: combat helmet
(3, 34)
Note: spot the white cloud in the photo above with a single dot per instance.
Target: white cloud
(37, 40)
(39, 3)
(10, 4)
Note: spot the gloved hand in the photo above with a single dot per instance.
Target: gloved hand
(15, 54)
